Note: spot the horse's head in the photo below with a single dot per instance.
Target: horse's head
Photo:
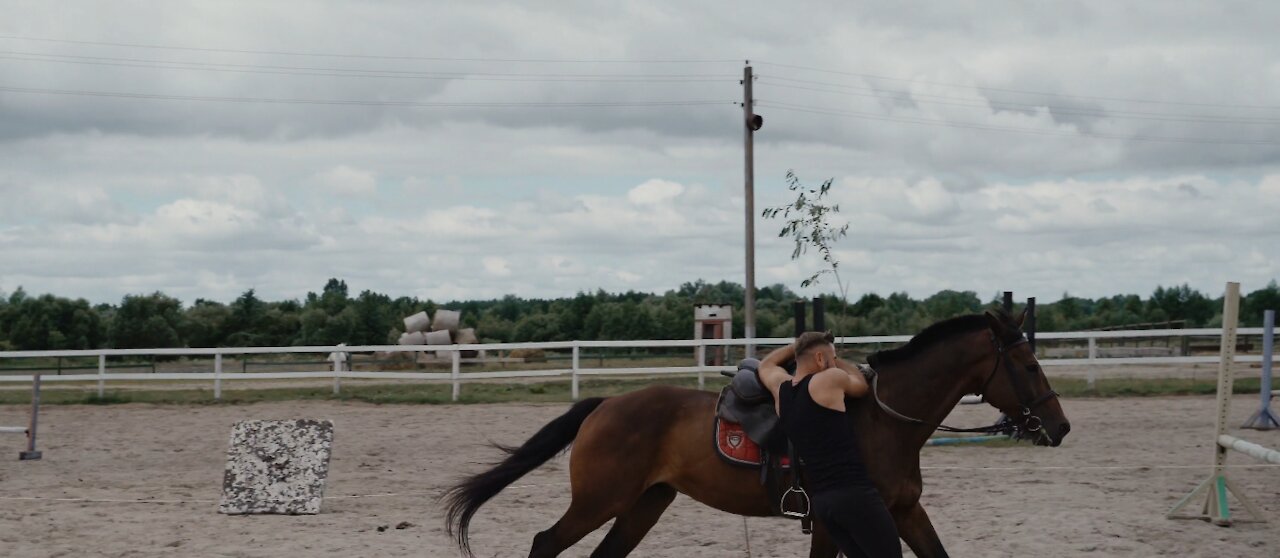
(1017, 385)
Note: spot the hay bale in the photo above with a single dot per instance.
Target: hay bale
(414, 338)
(529, 355)
(446, 320)
(467, 336)
(439, 338)
(417, 322)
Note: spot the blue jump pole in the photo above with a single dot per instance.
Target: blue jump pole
(1264, 419)
(964, 440)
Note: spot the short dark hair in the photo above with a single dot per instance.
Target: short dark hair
(812, 339)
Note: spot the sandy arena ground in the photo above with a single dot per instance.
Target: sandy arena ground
(1089, 497)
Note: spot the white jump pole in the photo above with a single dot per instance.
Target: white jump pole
(1217, 489)
(1261, 453)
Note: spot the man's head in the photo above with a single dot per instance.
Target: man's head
(815, 351)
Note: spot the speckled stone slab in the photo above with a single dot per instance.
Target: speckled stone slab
(277, 466)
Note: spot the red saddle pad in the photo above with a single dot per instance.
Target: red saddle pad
(734, 446)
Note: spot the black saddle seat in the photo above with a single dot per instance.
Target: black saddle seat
(746, 401)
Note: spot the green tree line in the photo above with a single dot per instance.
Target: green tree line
(332, 316)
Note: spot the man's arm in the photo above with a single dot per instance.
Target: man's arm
(857, 384)
(771, 372)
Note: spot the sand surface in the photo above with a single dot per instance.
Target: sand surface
(1089, 497)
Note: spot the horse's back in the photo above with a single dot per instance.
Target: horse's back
(652, 412)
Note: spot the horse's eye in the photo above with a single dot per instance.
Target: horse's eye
(1033, 368)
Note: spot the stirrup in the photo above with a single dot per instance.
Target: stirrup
(782, 504)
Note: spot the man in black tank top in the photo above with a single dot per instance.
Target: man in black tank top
(812, 413)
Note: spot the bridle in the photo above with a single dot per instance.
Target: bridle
(1029, 423)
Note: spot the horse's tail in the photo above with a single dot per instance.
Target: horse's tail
(464, 499)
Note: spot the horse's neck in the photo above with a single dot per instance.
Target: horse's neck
(927, 387)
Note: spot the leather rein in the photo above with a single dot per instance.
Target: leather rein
(1030, 422)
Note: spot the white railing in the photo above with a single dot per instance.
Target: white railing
(457, 377)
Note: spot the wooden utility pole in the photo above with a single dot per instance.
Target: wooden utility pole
(750, 123)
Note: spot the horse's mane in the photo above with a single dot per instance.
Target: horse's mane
(929, 337)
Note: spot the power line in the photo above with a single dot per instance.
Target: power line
(994, 128)
(359, 102)
(868, 92)
(353, 72)
(386, 57)
(1018, 91)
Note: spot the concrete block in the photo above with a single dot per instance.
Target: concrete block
(277, 466)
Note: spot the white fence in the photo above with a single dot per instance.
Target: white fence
(575, 371)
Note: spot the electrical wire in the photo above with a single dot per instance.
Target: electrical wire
(995, 128)
(352, 72)
(384, 57)
(1017, 91)
(358, 102)
(989, 104)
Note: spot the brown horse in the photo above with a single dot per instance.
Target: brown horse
(633, 453)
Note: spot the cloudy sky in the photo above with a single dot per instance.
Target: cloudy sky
(461, 150)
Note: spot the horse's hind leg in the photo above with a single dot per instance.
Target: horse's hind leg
(633, 524)
(595, 502)
(577, 522)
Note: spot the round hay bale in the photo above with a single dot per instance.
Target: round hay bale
(417, 322)
(467, 336)
(439, 338)
(446, 320)
(414, 338)
(529, 355)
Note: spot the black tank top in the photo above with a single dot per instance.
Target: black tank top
(824, 439)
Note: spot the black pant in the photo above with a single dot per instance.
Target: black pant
(858, 521)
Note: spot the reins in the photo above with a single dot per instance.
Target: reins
(1030, 422)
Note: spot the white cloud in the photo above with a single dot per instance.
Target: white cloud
(101, 196)
(343, 179)
(495, 266)
(655, 191)
(1270, 187)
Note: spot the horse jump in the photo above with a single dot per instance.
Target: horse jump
(1217, 488)
(1264, 418)
(30, 454)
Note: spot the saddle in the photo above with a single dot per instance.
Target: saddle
(746, 402)
(747, 435)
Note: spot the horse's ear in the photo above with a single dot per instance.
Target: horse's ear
(994, 322)
(1021, 318)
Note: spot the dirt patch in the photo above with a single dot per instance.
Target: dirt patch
(1089, 497)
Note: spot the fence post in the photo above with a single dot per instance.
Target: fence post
(1029, 325)
(217, 377)
(337, 373)
(702, 381)
(574, 389)
(1093, 357)
(102, 376)
(456, 373)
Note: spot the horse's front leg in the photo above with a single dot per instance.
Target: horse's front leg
(917, 531)
(822, 545)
